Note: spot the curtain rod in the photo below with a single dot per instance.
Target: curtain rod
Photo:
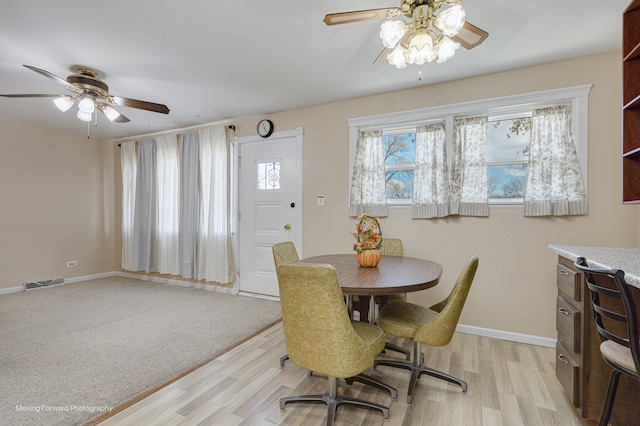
(175, 131)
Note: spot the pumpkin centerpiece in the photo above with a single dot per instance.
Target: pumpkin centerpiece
(368, 238)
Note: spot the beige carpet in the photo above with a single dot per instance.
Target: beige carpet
(69, 353)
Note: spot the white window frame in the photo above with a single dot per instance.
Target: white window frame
(577, 96)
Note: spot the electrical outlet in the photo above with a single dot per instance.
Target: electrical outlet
(72, 264)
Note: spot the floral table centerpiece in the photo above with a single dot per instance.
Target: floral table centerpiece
(368, 238)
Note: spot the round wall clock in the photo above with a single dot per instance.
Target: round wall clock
(265, 128)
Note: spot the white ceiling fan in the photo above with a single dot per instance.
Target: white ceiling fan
(431, 32)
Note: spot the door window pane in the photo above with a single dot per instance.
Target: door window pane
(268, 176)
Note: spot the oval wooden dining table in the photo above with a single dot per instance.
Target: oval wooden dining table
(393, 275)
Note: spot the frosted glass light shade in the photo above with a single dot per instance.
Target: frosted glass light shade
(396, 58)
(446, 49)
(420, 49)
(84, 116)
(86, 105)
(63, 103)
(111, 113)
(391, 32)
(451, 21)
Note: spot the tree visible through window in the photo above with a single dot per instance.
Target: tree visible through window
(508, 136)
(507, 154)
(399, 153)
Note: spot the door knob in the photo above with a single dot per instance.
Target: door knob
(287, 227)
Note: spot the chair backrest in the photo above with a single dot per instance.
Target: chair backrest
(614, 309)
(317, 328)
(391, 247)
(284, 252)
(439, 331)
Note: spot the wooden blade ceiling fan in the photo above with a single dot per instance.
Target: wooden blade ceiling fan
(92, 94)
(423, 20)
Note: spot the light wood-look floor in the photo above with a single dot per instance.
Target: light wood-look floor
(509, 384)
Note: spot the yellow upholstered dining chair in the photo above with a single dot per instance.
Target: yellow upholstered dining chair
(282, 253)
(388, 247)
(433, 326)
(321, 337)
(616, 319)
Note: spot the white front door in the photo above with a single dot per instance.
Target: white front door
(269, 206)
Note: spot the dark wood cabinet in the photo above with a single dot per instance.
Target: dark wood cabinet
(631, 103)
(579, 365)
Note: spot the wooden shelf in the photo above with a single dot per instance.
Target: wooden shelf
(631, 104)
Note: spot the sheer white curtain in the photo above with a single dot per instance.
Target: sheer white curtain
(189, 203)
(430, 176)
(144, 227)
(469, 184)
(168, 198)
(214, 246)
(128, 160)
(368, 192)
(554, 180)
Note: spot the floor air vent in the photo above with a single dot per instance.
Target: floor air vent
(34, 285)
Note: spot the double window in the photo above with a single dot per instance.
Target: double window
(506, 141)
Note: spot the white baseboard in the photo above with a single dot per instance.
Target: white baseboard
(11, 290)
(89, 277)
(507, 335)
(66, 281)
(180, 283)
(259, 296)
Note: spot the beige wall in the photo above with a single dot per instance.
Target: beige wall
(59, 201)
(515, 287)
(57, 204)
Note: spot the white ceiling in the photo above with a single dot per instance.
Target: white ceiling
(210, 61)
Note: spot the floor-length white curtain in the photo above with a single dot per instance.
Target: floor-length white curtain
(430, 176)
(214, 246)
(368, 193)
(128, 160)
(189, 203)
(144, 244)
(469, 184)
(554, 179)
(168, 199)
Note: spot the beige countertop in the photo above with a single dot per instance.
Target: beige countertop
(626, 259)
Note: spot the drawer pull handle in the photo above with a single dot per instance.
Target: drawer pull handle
(563, 358)
(563, 311)
(563, 272)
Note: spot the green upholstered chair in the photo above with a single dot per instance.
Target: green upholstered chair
(616, 319)
(388, 247)
(433, 326)
(283, 253)
(321, 337)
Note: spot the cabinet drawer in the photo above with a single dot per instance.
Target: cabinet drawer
(568, 324)
(567, 371)
(568, 281)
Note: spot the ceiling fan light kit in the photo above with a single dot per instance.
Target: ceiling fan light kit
(63, 103)
(437, 28)
(417, 42)
(91, 95)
